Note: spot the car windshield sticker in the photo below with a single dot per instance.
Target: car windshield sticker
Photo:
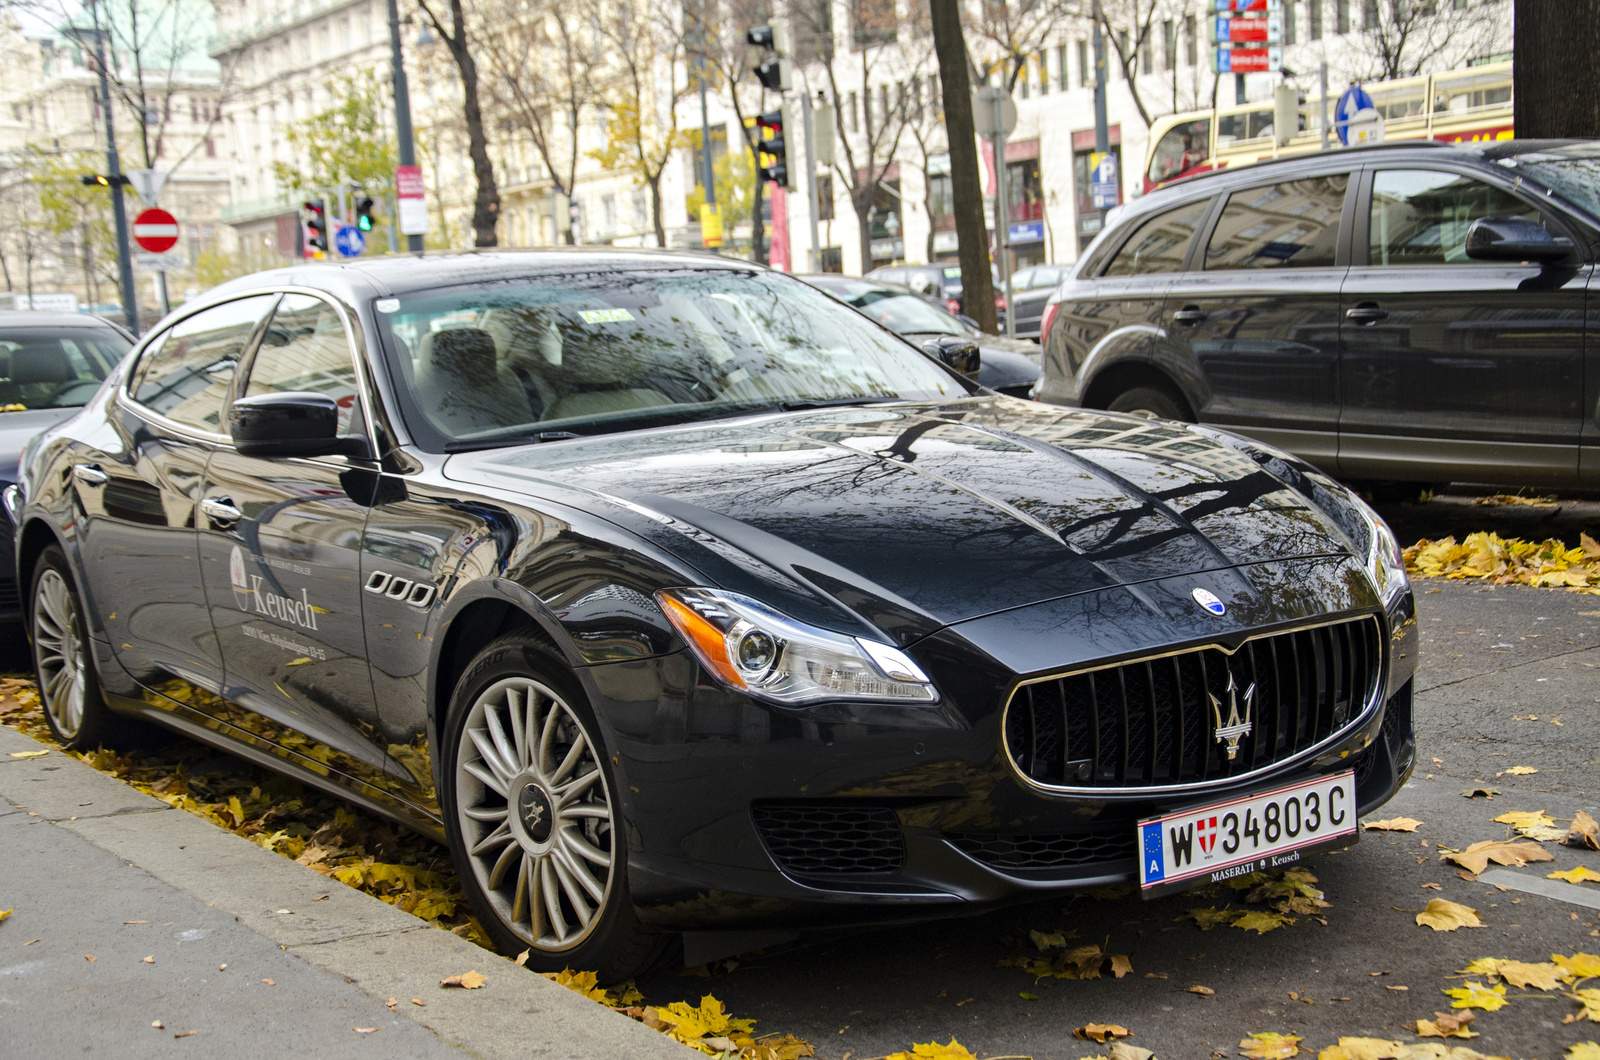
(1208, 600)
(605, 316)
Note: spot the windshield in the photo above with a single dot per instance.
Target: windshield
(1573, 173)
(1183, 147)
(566, 355)
(900, 312)
(55, 368)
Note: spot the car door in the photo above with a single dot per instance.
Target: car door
(138, 487)
(1456, 368)
(279, 544)
(1257, 315)
(1029, 298)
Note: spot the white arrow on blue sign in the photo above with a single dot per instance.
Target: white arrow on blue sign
(349, 241)
(1355, 100)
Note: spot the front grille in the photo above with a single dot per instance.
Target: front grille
(1046, 851)
(818, 839)
(1153, 723)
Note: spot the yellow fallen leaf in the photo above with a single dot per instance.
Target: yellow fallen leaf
(585, 983)
(1535, 824)
(1448, 1025)
(1393, 824)
(1520, 771)
(1476, 857)
(1581, 874)
(1100, 1032)
(5, 913)
(1210, 917)
(1204, 991)
(1269, 1045)
(1579, 965)
(365, 1030)
(934, 1051)
(29, 754)
(466, 980)
(1476, 995)
(1362, 1049)
(1445, 915)
(1585, 832)
(1262, 922)
(1589, 998)
(298, 662)
(1583, 1051)
(1542, 976)
(1053, 940)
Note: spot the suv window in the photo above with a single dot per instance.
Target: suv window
(1421, 217)
(304, 349)
(1160, 243)
(53, 368)
(1293, 225)
(185, 373)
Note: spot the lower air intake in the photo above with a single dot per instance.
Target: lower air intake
(821, 839)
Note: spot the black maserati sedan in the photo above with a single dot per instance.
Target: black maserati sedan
(680, 599)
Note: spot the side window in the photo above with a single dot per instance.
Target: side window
(1046, 278)
(1294, 225)
(1420, 217)
(1160, 243)
(1022, 281)
(185, 374)
(304, 349)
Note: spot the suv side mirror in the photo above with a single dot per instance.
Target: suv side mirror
(290, 424)
(1514, 239)
(955, 351)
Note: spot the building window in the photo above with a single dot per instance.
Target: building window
(1122, 50)
(1341, 15)
(1191, 41)
(825, 198)
(1147, 56)
(866, 110)
(872, 22)
(1043, 59)
(1084, 74)
(1369, 14)
(1062, 78)
(211, 148)
(1314, 20)
(1288, 22)
(852, 115)
(1169, 41)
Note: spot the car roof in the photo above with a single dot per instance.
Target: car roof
(39, 318)
(405, 273)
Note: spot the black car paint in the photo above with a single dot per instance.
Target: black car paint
(1484, 372)
(993, 538)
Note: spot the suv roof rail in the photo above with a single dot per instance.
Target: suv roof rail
(1388, 145)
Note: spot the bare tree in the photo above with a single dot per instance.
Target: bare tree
(1016, 32)
(486, 205)
(1129, 26)
(1401, 38)
(925, 125)
(538, 54)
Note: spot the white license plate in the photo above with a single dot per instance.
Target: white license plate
(1253, 833)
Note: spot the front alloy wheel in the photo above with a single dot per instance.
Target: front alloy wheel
(535, 813)
(59, 653)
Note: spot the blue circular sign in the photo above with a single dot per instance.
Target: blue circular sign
(349, 241)
(1354, 100)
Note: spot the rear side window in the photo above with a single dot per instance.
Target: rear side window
(1421, 217)
(1159, 244)
(1293, 225)
(304, 349)
(185, 373)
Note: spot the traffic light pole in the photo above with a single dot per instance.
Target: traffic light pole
(119, 210)
(814, 255)
(402, 109)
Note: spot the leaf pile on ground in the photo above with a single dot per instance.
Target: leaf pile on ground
(1071, 962)
(709, 1028)
(1559, 976)
(1504, 561)
(1284, 892)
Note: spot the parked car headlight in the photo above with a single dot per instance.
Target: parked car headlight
(752, 648)
(1385, 561)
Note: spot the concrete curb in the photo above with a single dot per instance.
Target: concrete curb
(380, 950)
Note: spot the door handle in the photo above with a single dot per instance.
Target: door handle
(220, 510)
(1366, 313)
(1189, 314)
(90, 474)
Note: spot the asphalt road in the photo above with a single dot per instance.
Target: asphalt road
(1492, 660)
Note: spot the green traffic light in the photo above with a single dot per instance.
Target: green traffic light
(364, 223)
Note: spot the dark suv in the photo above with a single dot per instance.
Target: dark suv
(1406, 313)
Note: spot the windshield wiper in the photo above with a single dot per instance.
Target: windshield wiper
(797, 404)
(466, 444)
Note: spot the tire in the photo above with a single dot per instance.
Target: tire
(1150, 402)
(537, 834)
(69, 686)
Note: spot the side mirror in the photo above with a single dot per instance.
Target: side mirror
(1514, 239)
(955, 351)
(290, 424)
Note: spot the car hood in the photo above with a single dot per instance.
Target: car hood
(17, 429)
(914, 516)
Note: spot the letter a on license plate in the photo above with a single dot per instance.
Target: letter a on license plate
(1251, 833)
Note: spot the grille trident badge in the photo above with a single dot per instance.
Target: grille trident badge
(1235, 728)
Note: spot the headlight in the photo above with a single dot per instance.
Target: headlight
(754, 649)
(1385, 562)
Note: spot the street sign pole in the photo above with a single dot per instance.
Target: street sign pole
(119, 211)
(1102, 134)
(402, 109)
(1002, 210)
(814, 255)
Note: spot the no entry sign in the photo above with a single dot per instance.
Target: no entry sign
(155, 230)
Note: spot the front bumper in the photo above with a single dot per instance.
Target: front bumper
(742, 815)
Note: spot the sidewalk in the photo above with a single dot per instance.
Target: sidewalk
(92, 867)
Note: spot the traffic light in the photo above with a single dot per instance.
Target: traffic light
(317, 224)
(760, 36)
(773, 68)
(772, 161)
(102, 180)
(364, 208)
(773, 73)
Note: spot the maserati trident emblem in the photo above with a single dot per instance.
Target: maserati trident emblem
(1235, 728)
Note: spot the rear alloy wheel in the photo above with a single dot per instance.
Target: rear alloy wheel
(535, 821)
(1153, 403)
(69, 688)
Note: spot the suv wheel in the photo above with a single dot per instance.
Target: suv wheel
(534, 816)
(1151, 402)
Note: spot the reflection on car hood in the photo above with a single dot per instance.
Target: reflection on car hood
(17, 429)
(932, 513)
